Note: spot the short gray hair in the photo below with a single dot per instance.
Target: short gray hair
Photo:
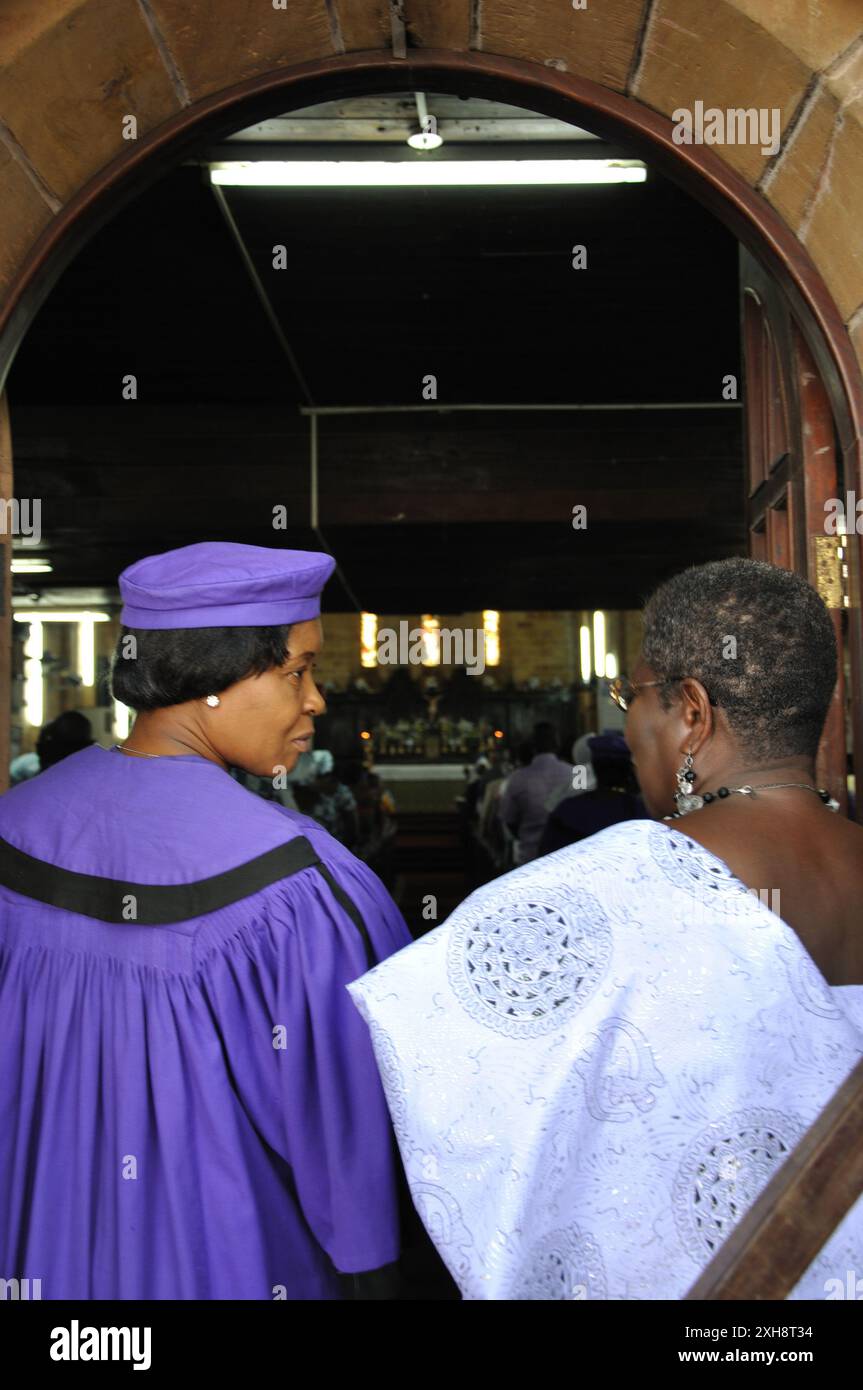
(761, 642)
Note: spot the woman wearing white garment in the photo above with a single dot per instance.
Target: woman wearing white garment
(598, 1061)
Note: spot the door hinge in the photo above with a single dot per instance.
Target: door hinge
(830, 569)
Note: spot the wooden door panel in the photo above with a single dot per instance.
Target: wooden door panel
(779, 550)
(824, 554)
(793, 468)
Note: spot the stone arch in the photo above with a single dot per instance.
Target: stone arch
(170, 61)
(179, 66)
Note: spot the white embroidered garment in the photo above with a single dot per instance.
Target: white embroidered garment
(598, 1061)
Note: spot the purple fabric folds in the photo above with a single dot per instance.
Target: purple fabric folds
(154, 1142)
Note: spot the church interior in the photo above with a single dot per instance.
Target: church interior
(507, 402)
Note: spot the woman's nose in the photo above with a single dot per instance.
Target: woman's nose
(316, 704)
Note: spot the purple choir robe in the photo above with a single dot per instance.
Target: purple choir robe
(192, 1110)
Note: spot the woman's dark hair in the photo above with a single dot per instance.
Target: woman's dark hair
(544, 737)
(761, 642)
(166, 667)
(66, 734)
(612, 763)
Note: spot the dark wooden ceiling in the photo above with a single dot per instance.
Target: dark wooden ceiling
(475, 286)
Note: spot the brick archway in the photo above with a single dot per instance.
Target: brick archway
(171, 62)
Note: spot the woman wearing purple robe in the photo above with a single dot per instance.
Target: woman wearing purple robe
(189, 1104)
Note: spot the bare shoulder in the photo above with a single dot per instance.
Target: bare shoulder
(755, 839)
(813, 857)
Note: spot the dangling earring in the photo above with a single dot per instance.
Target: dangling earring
(213, 700)
(684, 798)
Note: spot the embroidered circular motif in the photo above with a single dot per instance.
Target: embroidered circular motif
(688, 865)
(564, 1265)
(723, 1172)
(525, 961)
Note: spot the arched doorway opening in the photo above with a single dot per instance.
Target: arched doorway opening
(798, 290)
(577, 100)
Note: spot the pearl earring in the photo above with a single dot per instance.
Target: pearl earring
(213, 700)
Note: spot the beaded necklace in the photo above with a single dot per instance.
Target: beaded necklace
(693, 802)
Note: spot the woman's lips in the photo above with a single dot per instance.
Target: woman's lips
(302, 742)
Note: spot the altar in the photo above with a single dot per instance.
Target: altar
(423, 786)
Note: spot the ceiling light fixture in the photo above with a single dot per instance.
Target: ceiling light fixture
(49, 615)
(425, 140)
(20, 565)
(427, 137)
(407, 174)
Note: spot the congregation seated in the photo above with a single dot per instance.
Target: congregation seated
(612, 798)
(523, 804)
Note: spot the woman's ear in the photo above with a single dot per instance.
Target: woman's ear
(697, 712)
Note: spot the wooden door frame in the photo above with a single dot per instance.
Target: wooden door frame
(577, 100)
(794, 467)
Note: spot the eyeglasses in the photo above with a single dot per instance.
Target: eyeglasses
(623, 691)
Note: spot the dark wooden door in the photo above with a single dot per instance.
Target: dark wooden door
(794, 467)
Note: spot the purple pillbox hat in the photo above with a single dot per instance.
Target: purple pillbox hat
(220, 584)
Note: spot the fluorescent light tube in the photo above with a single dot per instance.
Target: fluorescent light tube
(456, 173)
